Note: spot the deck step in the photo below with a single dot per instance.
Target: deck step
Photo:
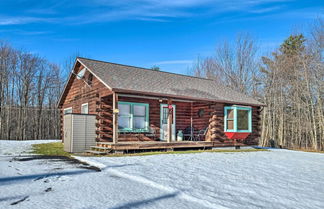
(99, 147)
(105, 143)
(96, 152)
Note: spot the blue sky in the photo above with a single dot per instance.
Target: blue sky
(168, 33)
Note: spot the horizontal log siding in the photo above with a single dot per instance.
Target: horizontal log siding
(183, 110)
(78, 92)
(213, 118)
(105, 119)
(201, 122)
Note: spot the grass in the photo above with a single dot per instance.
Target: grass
(50, 149)
(183, 152)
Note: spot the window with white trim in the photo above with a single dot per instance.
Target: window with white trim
(237, 119)
(133, 117)
(67, 110)
(85, 108)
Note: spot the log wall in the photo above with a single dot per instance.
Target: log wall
(213, 118)
(78, 92)
(183, 111)
(105, 119)
(216, 125)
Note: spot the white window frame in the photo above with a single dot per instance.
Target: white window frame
(67, 109)
(85, 104)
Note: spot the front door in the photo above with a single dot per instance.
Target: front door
(164, 122)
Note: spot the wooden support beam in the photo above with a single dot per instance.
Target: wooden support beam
(191, 120)
(115, 118)
(170, 118)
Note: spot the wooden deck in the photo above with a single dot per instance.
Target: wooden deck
(108, 147)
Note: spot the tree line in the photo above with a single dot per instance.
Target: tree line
(29, 89)
(290, 82)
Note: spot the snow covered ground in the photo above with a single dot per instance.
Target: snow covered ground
(10, 147)
(274, 179)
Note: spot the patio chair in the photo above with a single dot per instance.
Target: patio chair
(200, 134)
(188, 133)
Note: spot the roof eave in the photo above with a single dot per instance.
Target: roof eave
(71, 73)
(67, 82)
(118, 90)
(95, 75)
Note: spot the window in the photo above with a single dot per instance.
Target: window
(67, 110)
(242, 119)
(165, 115)
(139, 116)
(85, 108)
(124, 117)
(230, 119)
(133, 116)
(238, 119)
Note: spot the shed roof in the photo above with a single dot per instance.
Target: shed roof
(125, 78)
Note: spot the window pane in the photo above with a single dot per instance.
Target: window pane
(139, 122)
(242, 120)
(230, 124)
(139, 110)
(124, 109)
(230, 114)
(84, 109)
(68, 110)
(165, 115)
(123, 122)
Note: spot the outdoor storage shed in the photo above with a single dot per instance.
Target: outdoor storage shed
(79, 132)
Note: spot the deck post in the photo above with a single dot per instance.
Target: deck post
(170, 118)
(191, 122)
(115, 118)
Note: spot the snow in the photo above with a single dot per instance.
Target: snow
(270, 179)
(11, 147)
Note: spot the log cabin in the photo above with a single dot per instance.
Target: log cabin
(138, 108)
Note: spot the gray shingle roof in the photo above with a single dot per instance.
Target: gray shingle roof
(130, 78)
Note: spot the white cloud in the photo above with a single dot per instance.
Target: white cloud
(22, 20)
(168, 10)
(92, 11)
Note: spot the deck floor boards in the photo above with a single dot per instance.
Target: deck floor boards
(150, 145)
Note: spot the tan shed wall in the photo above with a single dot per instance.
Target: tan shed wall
(79, 132)
(67, 132)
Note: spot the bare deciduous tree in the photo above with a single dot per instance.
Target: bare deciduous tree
(29, 89)
(290, 83)
(235, 65)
